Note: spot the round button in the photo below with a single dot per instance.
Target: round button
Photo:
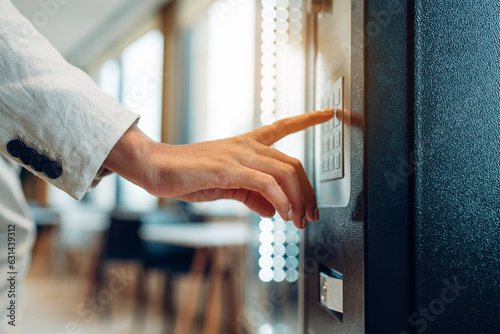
(14, 147)
(38, 161)
(26, 154)
(52, 170)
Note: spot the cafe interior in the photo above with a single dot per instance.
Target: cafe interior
(123, 261)
(405, 171)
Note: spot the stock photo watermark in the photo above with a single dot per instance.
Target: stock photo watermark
(140, 92)
(223, 7)
(378, 20)
(11, 274)
(425, 315)
(41, 18)
(264, 309)
(405, 169)
(49, 9)
(97, 304)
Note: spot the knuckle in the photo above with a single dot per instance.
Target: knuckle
(289, 171)
(235, 145)
(285, 122)
(267, 182)
(242, 142)
(296, 163)
(266, 135)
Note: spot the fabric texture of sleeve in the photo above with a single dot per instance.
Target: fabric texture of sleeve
(54, 107)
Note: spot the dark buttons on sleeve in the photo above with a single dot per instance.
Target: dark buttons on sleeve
(52, 170)
(26, 154)
(38, 161)
(14, 147)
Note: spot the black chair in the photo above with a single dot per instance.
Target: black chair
(122, 243)
(169, 259)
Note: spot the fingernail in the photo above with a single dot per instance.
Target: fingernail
(290, 214)
(304, 222)
(316, 214)
(328, 111)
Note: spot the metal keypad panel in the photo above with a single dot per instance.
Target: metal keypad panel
(332, 148)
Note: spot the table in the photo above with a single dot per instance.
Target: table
(210, 241)
(197, 234)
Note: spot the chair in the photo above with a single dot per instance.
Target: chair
(122, 243)
(171, 260)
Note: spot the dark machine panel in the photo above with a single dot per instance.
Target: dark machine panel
(457, 174)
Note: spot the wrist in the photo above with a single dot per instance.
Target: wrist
(131, 155)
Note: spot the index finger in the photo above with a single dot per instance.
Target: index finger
(270, 134)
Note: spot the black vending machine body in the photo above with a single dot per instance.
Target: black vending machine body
(416, 246)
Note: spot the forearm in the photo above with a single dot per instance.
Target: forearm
(131, 156)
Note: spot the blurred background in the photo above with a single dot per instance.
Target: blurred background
(123, 261)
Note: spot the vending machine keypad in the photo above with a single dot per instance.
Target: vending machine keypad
(332, 162)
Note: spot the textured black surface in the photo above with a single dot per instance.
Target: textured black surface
(387, 172)
(429, 158)
(457, 122)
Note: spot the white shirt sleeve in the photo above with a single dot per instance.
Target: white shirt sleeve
(56, 108)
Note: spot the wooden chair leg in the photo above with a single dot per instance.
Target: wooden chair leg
(232, 300)
(141, 297)
(186, 314)
(214, 300)
(99, 276)
(168, 303)
(95, 269)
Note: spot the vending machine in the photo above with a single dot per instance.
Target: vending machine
(407, 171)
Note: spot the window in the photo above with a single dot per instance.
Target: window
(135, 78)
(142, 79)
(217, 71)
(142, 66)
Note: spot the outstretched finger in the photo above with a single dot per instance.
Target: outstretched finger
(270, 134)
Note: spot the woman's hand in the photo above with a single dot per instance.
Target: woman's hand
(243, 168)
